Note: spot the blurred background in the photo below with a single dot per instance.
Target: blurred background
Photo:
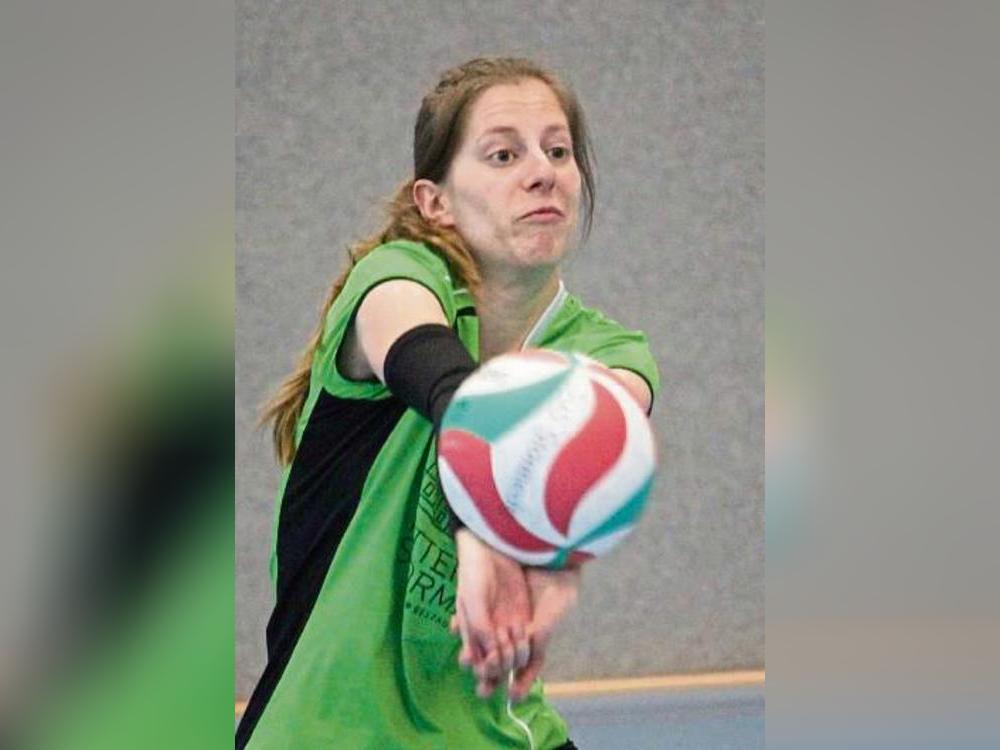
(882, 227)
(116, 526)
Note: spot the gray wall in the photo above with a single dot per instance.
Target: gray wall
(326, 97)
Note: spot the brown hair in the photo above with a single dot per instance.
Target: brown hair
(436, 136)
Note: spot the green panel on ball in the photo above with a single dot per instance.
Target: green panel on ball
(559, 561)
(624, 516)
(490, 415)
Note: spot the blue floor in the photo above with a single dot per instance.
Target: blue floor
(700, 719)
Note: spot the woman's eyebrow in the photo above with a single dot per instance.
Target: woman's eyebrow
(508, 130)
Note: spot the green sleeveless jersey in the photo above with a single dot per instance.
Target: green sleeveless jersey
(359, 651)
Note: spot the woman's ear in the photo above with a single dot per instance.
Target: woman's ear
(432, 202)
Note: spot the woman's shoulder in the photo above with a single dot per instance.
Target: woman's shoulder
(578, 319)
(401, 259)
(590, 331)
(398, 259)
(404, 256)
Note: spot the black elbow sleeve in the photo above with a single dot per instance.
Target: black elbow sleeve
(425, 366)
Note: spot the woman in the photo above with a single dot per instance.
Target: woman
(379, 602)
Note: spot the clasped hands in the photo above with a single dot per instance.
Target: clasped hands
(506, 613)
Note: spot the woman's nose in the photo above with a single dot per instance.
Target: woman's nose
(540, 172)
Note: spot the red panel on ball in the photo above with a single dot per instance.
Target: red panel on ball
(469, 458)
(585, 459)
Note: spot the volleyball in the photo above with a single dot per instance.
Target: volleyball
(546, 457)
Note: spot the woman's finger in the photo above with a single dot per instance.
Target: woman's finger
(524, 678)
(478, 626)
(465, 659)
(505, 648)
(485, 688)
(522, 647)
(469, 654)
(488, 668)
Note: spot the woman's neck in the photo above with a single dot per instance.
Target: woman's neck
(509, 308)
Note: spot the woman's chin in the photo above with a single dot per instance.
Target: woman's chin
(543, 250)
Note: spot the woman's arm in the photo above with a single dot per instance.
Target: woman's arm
(553, 593)
(637, 386)
(387, 312)
(493, 602)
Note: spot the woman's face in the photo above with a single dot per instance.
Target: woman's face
(513, 189)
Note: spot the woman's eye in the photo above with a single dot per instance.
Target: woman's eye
(559, 152)
(503, 156)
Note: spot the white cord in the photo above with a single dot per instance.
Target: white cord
(510, 713)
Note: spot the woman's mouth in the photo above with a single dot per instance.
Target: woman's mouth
(545, 215)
